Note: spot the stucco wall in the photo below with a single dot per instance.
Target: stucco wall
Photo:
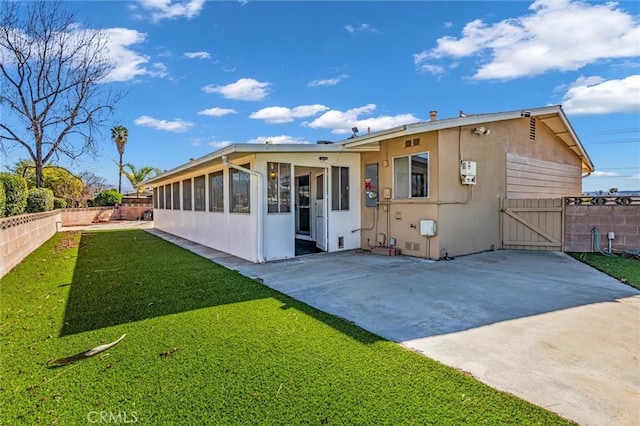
(20, 235)
(399, 219)
(623, 220)
(468, 216)
(475, 226)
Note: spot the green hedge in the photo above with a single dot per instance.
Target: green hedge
(15, 190)
(39, 200)
(59, 203)
(110, 197)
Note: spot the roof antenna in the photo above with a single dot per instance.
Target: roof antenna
(355, 132)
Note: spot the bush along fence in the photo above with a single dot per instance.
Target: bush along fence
(608, 223)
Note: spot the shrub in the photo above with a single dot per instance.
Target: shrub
(39, 200)
(15, 190)
(110, 197)
(59, 203)
(3, 201)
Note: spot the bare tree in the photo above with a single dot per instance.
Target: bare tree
(52, 75)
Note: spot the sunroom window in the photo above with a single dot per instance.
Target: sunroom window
(216, 192)
(279, 187)
(240, 190)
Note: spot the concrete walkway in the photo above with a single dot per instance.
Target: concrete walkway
(539, 325)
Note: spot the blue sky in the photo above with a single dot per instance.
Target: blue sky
(200, 75)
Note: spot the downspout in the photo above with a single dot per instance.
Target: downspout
(260, 253)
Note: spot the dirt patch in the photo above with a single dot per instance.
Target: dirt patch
(69, 240)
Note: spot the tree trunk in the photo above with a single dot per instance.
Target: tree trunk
(120, 176)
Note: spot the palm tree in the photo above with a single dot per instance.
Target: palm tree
(137, 176)
(119, 136)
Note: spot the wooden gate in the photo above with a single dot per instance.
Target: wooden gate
(532, 224)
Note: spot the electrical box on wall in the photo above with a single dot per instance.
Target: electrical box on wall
(371, 185)
(468, 172)
(428, 227)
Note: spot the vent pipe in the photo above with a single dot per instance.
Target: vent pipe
(432, 115)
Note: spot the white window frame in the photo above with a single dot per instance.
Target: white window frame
(409, 188)
(277, 185)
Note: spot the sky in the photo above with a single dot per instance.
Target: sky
(200, 75)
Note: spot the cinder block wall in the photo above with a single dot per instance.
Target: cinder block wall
(86, 216)
(133, 211)
(623, 220)
(20, 235)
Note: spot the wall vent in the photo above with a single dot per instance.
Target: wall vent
(412, 142)
(412, 246)
(532, 129)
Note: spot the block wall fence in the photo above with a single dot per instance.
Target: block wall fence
(580, 220)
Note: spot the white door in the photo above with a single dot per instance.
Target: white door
(321, 212)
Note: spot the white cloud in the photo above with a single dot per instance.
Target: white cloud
(197, 55)
(177, 125)
(245, 89)
(635, 176)
(341, 122)
(278, 140)
(360, 28)
(128, 63)
(279, 114)
(168, 9)
(595, 95)
(603, 174)
(560, 35)
(328, 82)
(118, 42)
(220, 144)
(217, 112)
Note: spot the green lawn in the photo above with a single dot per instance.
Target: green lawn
(206, 345)
(626, 269)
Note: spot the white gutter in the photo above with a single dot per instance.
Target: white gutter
(260, 224)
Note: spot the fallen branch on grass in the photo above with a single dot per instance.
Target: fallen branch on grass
(83, 355)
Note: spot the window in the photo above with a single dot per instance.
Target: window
(339, 188)
(279, 187)
(411, 176)
(239, 190)
(155, 198)
(176, 195)
(216, 192)
(167, 196)
(199, 193)
(161, 197)
(186, 194)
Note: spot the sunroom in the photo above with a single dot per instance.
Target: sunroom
(264, 202)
